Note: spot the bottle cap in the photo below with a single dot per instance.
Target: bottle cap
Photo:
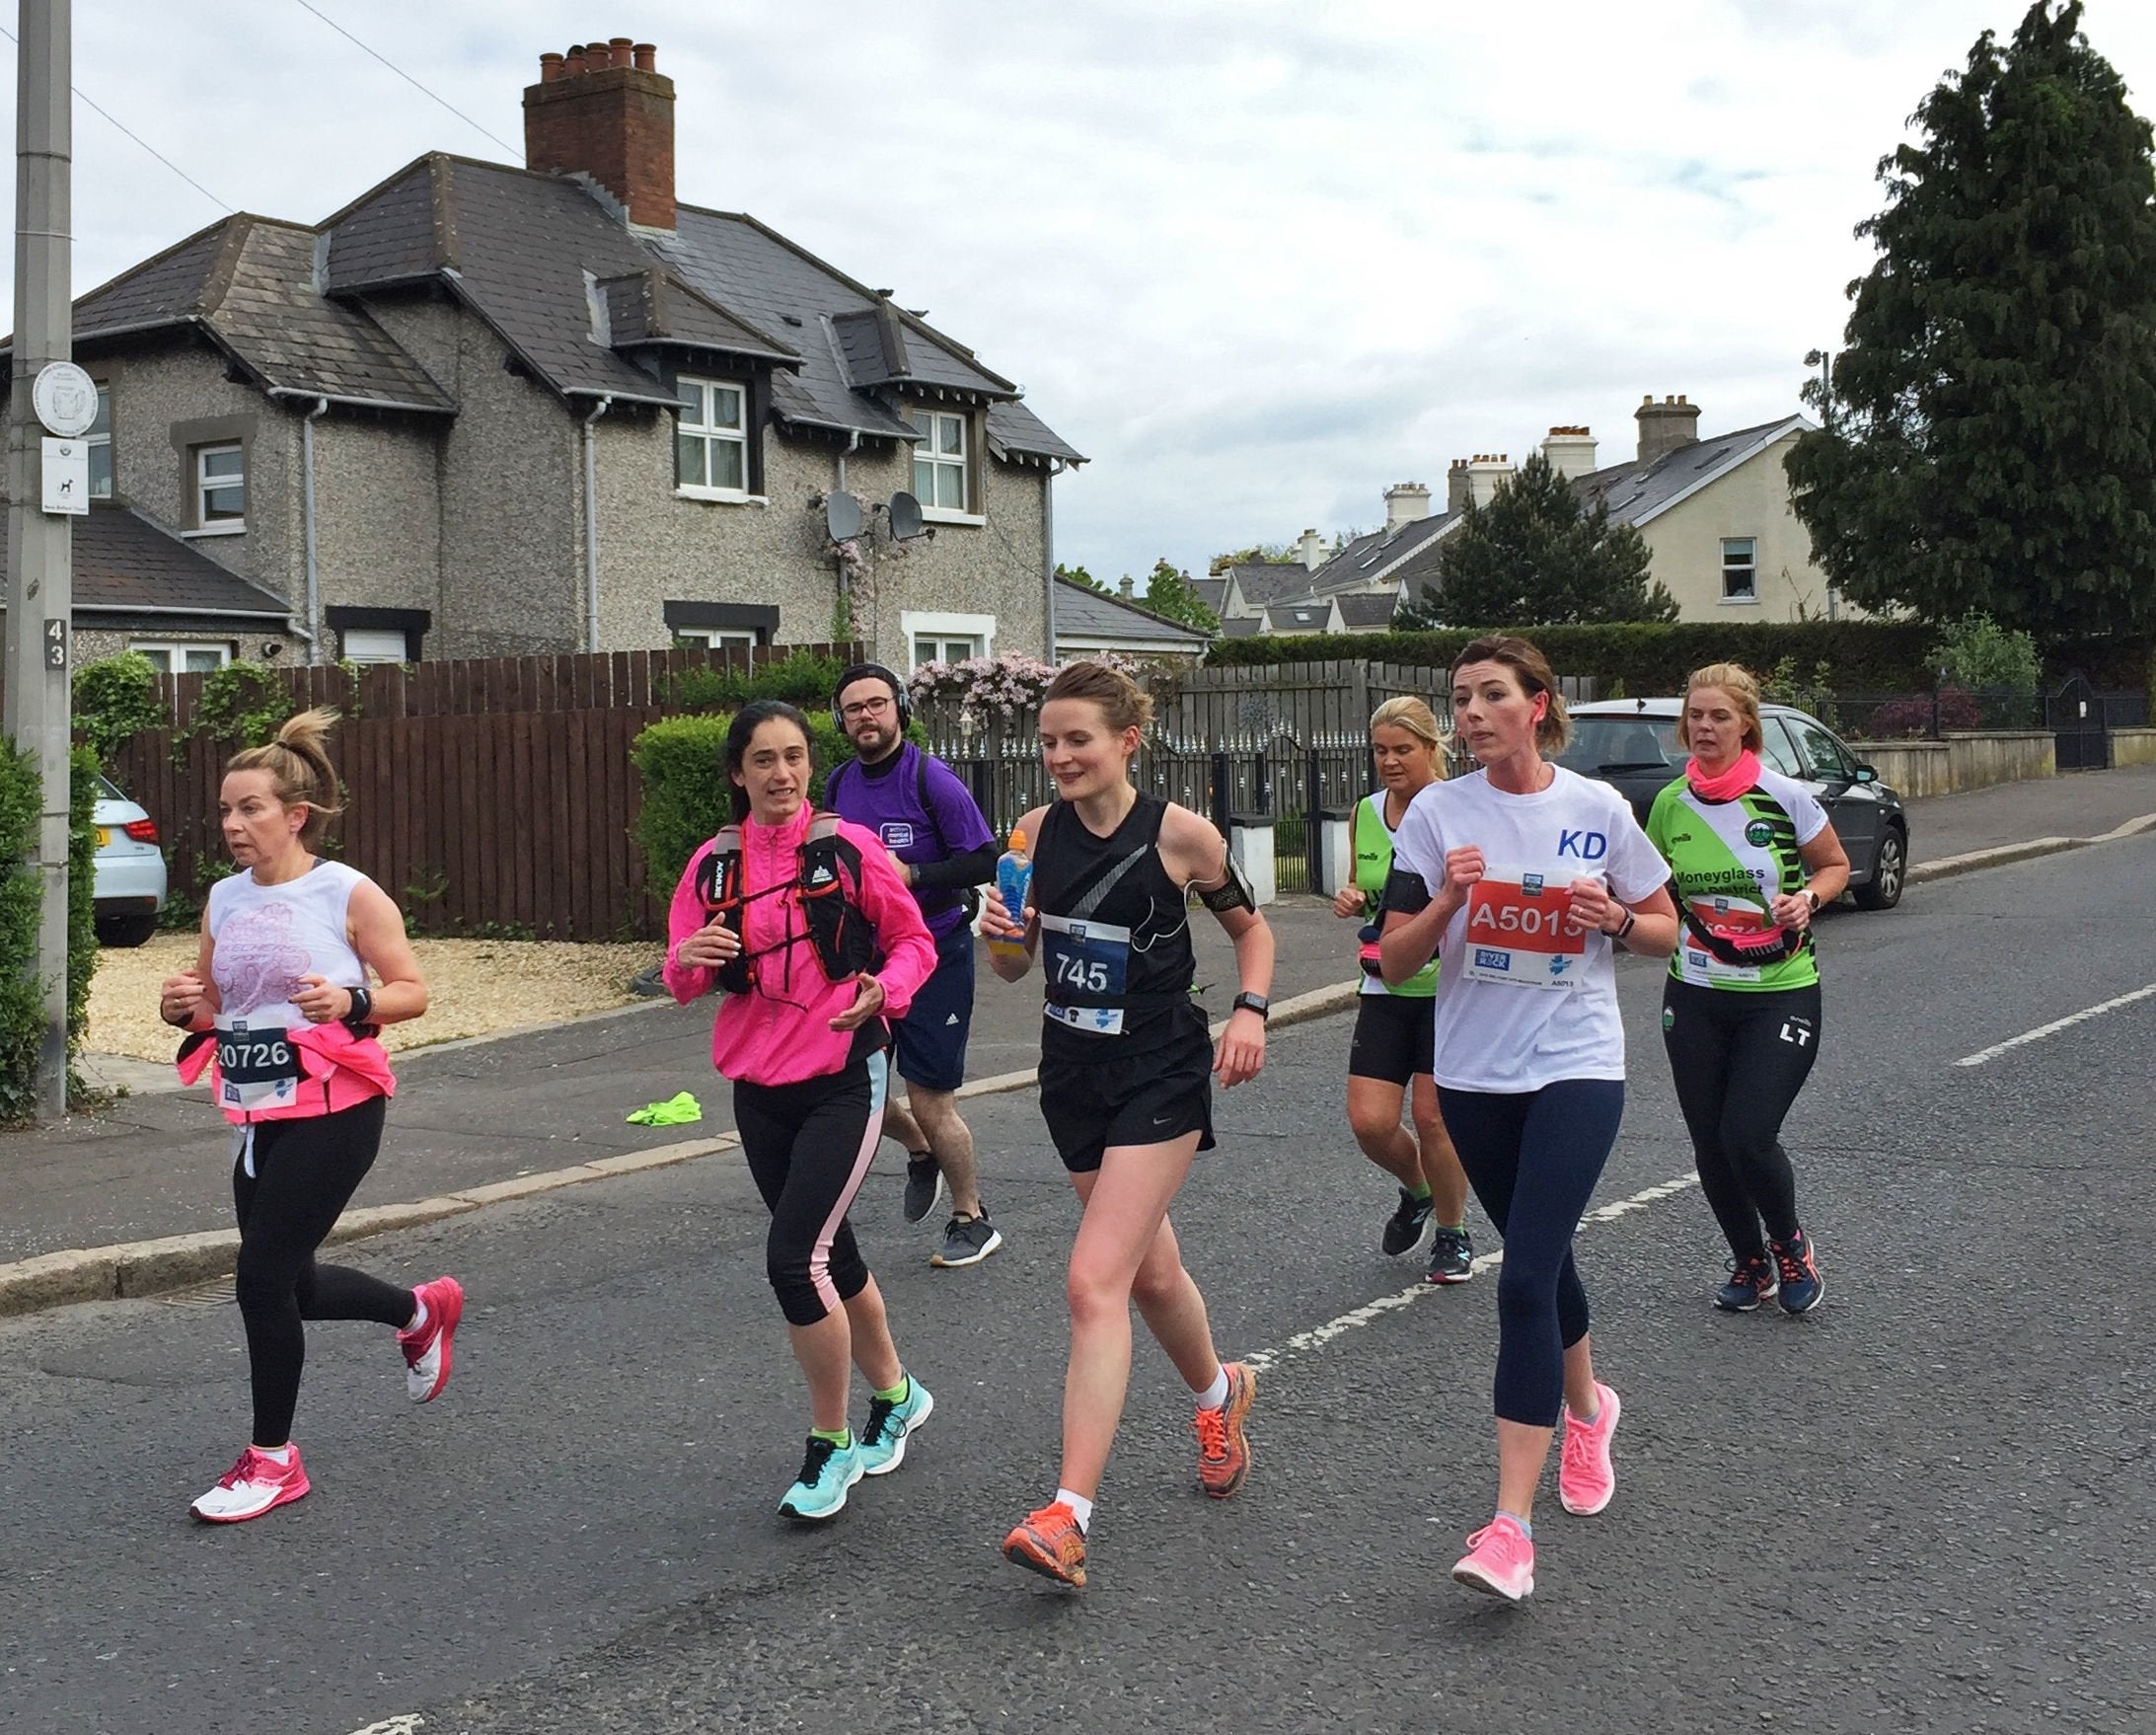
(1017, 837)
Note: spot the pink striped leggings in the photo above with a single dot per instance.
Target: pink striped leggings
(808, 1146)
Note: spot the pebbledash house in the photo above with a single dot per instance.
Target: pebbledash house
(488, 411)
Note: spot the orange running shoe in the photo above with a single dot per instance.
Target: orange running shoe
(1224, 1452)
(1050, 1543)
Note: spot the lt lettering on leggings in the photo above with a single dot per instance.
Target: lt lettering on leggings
(1796, 1031)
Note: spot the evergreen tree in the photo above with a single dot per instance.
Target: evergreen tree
(1534, 557)
(1079, 575)
(1169, 592)
(1990, 437)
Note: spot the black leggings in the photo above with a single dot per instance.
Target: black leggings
(1534, 1157)
(1739, 1059)
(808, 1146)
(305, 1174)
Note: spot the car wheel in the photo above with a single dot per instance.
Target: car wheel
(1890, 872)
(126, 931)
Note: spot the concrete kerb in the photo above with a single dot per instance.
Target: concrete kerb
(134, 1269)
(1949, 866)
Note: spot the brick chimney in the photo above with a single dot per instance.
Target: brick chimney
(1406, 503)
(1458, 489)
(606, 111)
(1665, 427)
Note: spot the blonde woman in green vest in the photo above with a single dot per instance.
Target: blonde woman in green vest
(1391, 1054)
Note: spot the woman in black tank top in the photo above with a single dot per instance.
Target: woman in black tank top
(1125, 1080)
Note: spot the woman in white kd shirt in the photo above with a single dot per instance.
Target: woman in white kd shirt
(1528, 878)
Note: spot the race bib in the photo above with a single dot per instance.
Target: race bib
(1725, 915)
(1517, 933)
(255, 1069)
(1090, 959)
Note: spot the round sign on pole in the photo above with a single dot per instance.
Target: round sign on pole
(65, 399)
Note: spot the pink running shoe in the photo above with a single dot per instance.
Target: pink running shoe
(256, 1484)
(1500, 1560)
(1586, 1478)
(427, 1350)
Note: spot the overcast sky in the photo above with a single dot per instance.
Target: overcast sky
(1256, 260)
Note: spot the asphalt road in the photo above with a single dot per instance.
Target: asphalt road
(1924, 1508)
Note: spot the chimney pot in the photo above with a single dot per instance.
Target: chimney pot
(572, 63)
(623, 48)
(646, 57)
(549, 68)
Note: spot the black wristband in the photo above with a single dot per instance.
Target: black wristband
(1622, 927)
(362, 1006)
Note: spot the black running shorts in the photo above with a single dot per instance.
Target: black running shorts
(1395, 1037)
(1148, 1095)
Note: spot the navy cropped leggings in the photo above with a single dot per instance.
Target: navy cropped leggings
(1534, 1157)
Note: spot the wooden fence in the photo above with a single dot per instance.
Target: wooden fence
(494, 796)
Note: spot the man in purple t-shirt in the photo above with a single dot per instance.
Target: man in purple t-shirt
(942, 848)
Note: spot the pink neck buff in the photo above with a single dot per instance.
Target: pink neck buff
(1741, 775)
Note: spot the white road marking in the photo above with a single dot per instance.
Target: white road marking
(403, 1723)
(2054, 1027)
(1260, 1360)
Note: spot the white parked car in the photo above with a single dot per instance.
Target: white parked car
(130, 869)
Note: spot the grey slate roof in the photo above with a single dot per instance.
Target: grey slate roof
(1082, 610)
(1637, 493)
(1242, 626)
(1366, 613)
(529, 253)
(1210, 591)
(247, 283)
(1267, 581)
(126, 564)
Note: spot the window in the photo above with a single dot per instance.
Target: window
(1823, 760)
(714, 638)
(939, 461)
(220, 486)
(939, 650)
(933, 635)
(712, 438)
(1739, 568)
(1776, 750)
(375, 644)
(99, 440)
(182, 660)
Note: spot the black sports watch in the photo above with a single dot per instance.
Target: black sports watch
(1249, 1002)
(362, 1007)
(1813, 898)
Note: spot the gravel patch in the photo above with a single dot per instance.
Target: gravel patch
(477, 986)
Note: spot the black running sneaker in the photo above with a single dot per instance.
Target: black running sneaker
(924, 1186)
(1452, 1254)
(967, 1241)
(1404, 1229)
(1751, 1281)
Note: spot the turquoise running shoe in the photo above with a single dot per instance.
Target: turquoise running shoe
(818, 1494)
(881, 1447)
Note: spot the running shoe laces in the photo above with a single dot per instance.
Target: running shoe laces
(1212, 1425)
(880, 1412)
(820, 1452)
(1793, 1260)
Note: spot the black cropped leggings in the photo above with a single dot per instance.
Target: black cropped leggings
(305, 1174)
(1738, 1058)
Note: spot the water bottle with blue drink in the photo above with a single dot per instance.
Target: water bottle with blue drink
(1014, 884)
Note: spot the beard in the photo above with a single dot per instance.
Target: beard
(875, 741)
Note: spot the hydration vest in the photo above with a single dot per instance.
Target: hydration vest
(827, 876)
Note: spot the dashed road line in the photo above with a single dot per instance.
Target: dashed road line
(2054, 1027)
(1261, 1360)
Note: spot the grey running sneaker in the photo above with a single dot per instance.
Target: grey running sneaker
(1404, 1229)
(967, 1241)
(1452, 1254)
(924, 1187)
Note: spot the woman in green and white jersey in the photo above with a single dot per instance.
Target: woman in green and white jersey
(1752, 855)
(1394, 1027)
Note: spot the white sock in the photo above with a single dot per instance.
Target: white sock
(418, 1316)
(277, 1453)
(1215, 1395)
(1079, 1504)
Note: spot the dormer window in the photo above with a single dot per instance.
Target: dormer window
(943, 463)
(712, 439)
(97, 442)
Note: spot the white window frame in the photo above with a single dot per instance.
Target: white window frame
(204, 524)
(93, 442)
(717, 638)
(404, 644)
(918, 623)
(174, 653)
(1749, 564)
(712, 434)
(928, 455)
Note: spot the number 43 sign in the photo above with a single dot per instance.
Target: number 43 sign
(55, 644)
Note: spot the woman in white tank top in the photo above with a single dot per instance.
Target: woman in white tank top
(282, 1016)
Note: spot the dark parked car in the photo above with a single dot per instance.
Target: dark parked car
(1632, 744)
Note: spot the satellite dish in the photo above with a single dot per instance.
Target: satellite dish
(841, 516)
(906, 519)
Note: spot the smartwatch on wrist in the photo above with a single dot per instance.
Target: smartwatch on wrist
(1622, 927)
(1813, 898)
(1249, 1002)
(362, 1007)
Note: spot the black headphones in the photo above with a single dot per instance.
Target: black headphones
(862, 671)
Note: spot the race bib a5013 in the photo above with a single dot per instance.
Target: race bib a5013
(1516, 932)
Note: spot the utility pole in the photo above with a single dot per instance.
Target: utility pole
(41, 588)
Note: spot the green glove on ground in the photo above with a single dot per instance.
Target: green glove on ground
(676, 1110)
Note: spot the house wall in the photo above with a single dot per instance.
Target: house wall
(1751, 500)
(378, 516)
(88, 644)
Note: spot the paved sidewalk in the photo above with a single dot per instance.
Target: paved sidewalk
(489, 1114)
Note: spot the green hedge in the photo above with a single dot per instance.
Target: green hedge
(686, 795)
(22, 1002)
(1860, 657)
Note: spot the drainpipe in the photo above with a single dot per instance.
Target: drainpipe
(591, 524)
(852, 444)
(313, 630)
(1056, 468)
